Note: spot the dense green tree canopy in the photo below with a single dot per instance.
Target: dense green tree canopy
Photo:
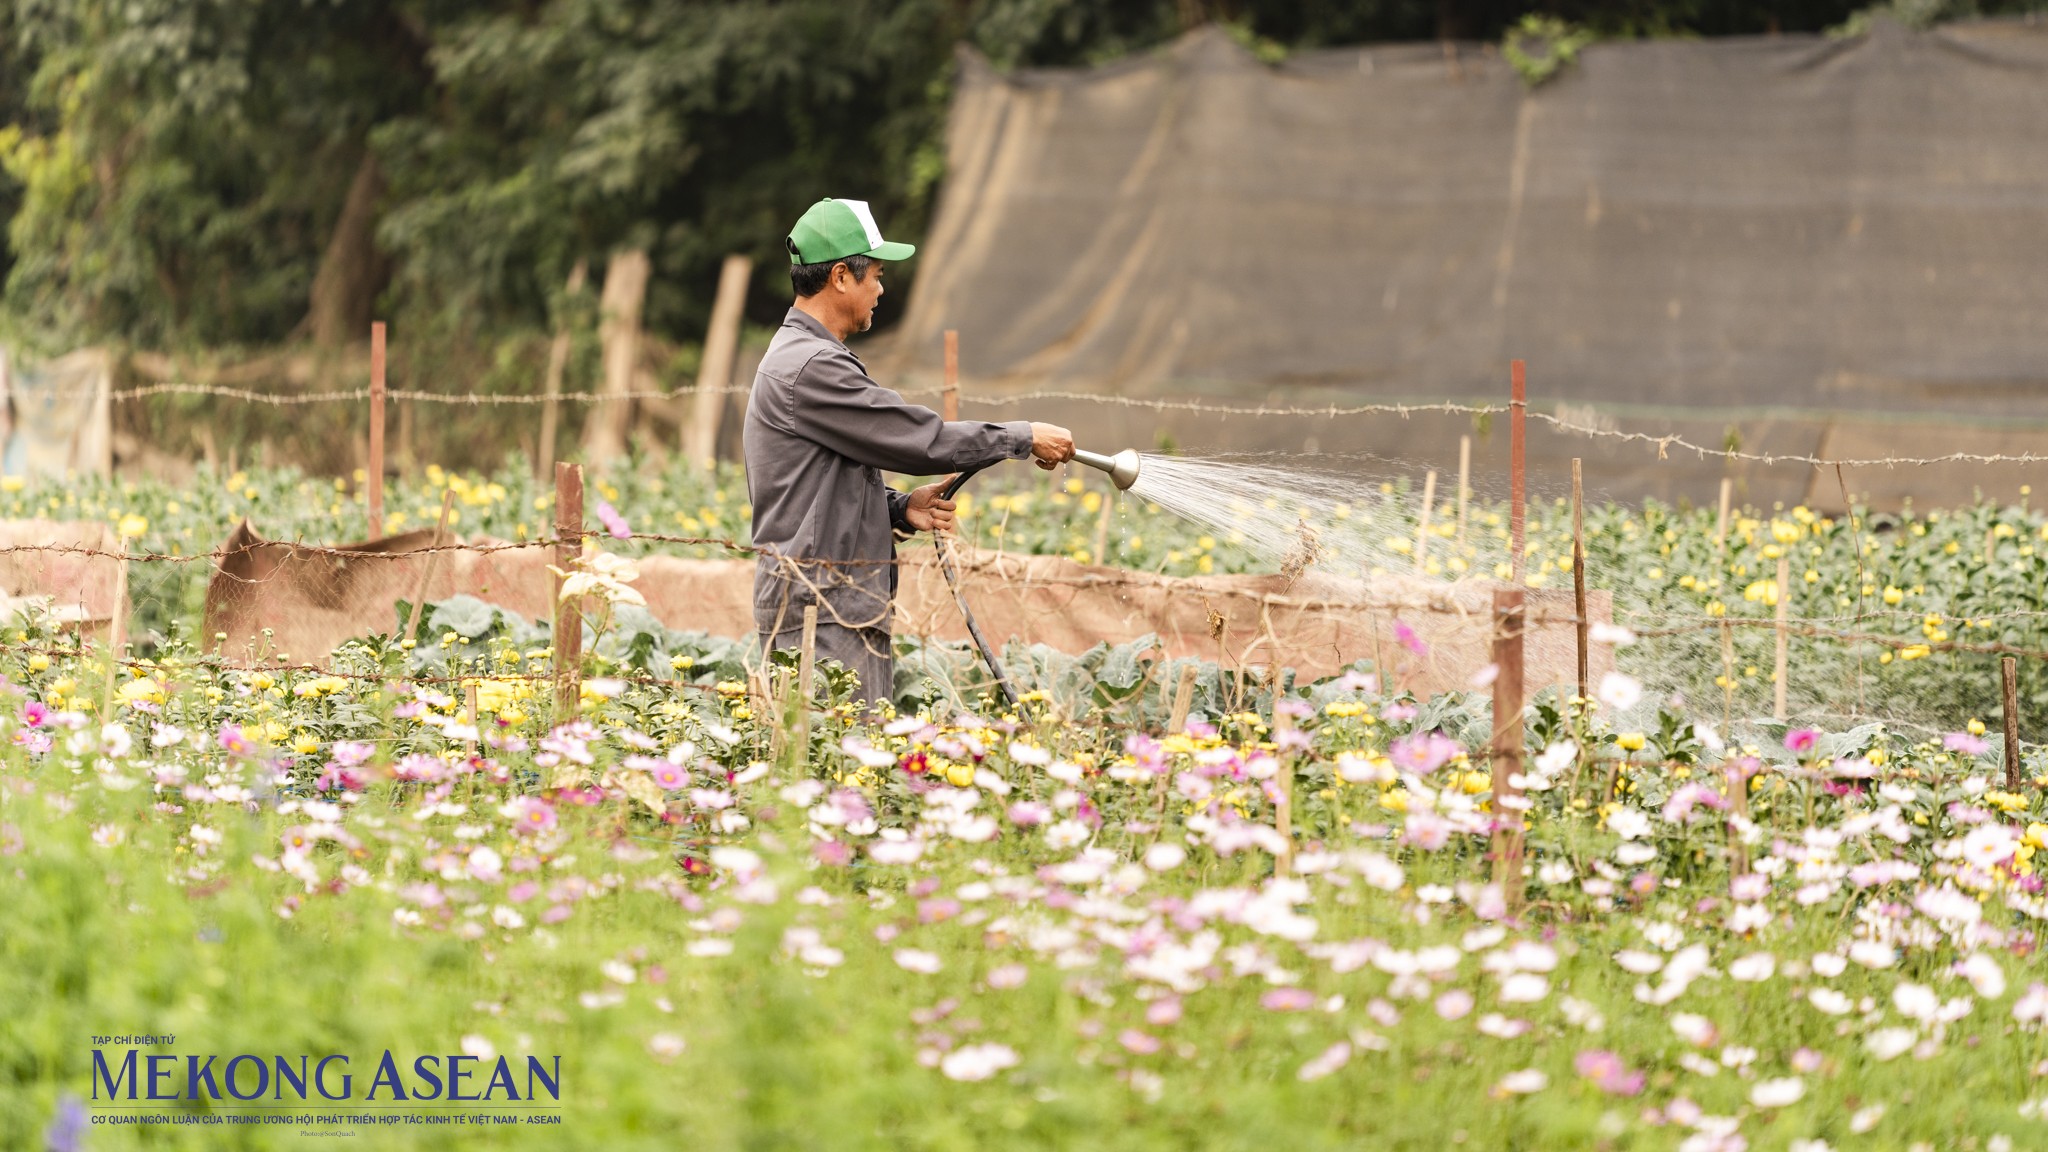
(183, 173)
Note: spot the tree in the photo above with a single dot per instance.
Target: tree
(196, 158)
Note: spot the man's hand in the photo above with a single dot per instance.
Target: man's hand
(1051, 445)
(927, 511)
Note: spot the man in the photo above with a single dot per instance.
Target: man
(819, 434)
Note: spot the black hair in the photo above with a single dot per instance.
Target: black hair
(810, 279)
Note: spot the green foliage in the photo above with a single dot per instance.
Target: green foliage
(1542, 46)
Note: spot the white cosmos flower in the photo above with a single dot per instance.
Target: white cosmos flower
(1165, 857)
(1829, 1001)
(919, 961)
(1915, 1001)
(1873, 954)
(1628, 824)
(1029, 754)
(1949, 906)
(1631, 854)
(665, 1045)
(1828, 964)
(1754, 968)
(1640, 963)
(1332, 1058)
(1557, 757)
(1890, 1043)
(1866, 1118)
(1523, 1083)
(1524, 988)
(977, 1061)
(1606, 633)
(1694, 1029)
(1984, 975)
(2032, 1006)
(1620, 691)
(1778, 1093)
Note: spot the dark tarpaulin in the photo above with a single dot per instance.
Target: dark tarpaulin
(1802, 243)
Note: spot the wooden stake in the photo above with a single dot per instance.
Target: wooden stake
(376, 468)
(419, 598)
(1518, 408)
(568, 617)
(1721, 531)
(1784, 612)
(1102, 527)
(1727, 675)
(1183, 698)
(1507, 741)
(810, 654)
(117, 633)
(1579, 571)
(806, 665)
(1283, 783)
(476, 719)
(1738, 806)
(1464, 483)
(1422, 523)
(950, 396)
(714, 371)
(551, 387)
(2009, 669)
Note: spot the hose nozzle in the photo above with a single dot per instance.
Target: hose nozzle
(1122, 467)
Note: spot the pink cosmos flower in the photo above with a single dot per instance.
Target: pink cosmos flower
(1800, 741)
(415, 767)
(1428, 831)
(1965, 743)
(535, 817)
(1680, 807)
(336, 776)
(1137, 1042)
(669, 776)
(351, 753)
(233, 740)
(1406, 638)
(1288, 1000)
(612, 521)
(1606, 1070)
(34, 713)
(1423, 752)
(1007, 976)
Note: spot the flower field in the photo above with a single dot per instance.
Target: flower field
(749, 923)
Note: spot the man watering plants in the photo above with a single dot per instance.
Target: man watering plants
(819, 435)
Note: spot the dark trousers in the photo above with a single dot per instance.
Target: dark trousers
(866, 651)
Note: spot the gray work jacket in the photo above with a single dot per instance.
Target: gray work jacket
(818, 435)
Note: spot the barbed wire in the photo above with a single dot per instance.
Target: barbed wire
(1663, 442)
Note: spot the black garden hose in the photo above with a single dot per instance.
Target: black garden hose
(988, 655)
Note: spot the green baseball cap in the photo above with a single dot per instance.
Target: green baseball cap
(836, 229)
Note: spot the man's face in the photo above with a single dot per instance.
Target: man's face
(861, 295)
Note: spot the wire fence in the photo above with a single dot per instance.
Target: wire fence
(265, 600)
(1662, 443)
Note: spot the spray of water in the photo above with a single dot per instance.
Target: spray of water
(1330, 524)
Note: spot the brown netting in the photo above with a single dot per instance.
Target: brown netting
(269, 597)
(1833, 245)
